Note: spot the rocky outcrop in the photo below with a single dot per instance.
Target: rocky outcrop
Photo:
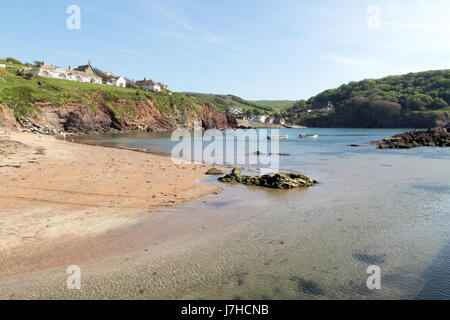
(434, 137)
(26, 73)
(29, 126)
(83, 119)
(211, 118)
(273, 180)
(214, 172)
(7, 119)
(443, 120)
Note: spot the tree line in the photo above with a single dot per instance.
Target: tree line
(390, 101)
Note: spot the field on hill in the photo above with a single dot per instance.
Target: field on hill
(224, 102)
(277, 105)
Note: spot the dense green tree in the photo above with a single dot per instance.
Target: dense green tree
(438, 103)
(417, 101)
(13, 61)
(391, 101)
(300, 105)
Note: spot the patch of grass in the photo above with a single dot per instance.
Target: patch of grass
(165, 102)
(276, 105)
(436, 112)
(126, 110)
(24, 110)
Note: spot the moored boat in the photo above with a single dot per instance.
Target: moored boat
(283, 137)
(305, 135)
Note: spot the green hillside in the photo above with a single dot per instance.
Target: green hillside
(277, 105)
(24, 95)
(224, 102)
(411, 100)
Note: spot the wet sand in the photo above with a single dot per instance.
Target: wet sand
(250, 248)
(57, 198)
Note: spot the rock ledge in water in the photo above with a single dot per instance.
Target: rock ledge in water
(214, 172)
(434, 137)
(273, 180)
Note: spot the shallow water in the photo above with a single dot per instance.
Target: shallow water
(389, 208)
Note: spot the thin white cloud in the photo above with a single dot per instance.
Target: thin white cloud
(181, 22)
(177, 20)
(353, 61)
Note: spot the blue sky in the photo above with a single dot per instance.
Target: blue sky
(256, 49)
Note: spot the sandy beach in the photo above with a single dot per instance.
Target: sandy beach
(56, 196)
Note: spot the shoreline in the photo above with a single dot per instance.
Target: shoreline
(57, 196)
(231, 244)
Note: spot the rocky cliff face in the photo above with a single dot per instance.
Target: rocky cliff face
(116, 116)
(7, 119)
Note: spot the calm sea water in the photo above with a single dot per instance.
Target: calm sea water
(389, 208)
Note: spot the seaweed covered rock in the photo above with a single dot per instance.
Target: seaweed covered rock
(273, 180)
(214, 172)
(434, 137)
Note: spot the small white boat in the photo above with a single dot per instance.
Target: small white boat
(305, 135)
(284, 137)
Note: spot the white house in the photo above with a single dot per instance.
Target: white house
(261, 119)
(236, 111)
(163, 86)
(330, 107)
(149, 85)
(81, 74)
(116, 81)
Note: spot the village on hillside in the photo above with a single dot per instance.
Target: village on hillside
(246, 118)
(88, 74)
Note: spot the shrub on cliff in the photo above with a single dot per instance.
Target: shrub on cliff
(13, 61)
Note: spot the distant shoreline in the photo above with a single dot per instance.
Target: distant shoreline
(259, 125)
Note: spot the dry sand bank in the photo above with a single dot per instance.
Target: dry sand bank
(56, 196)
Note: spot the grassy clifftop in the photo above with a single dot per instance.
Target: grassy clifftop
(21, 94)
(95, 107)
